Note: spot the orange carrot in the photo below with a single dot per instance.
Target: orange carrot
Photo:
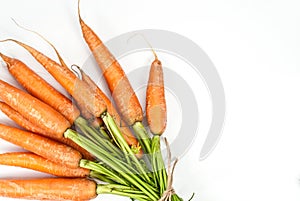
(34, 110)
(34, 84)
(32, 161)
(118, 83)
(23, 122)
(52, 150)
(126, 132)
(49, 189)
(155, 99)
(74, 86)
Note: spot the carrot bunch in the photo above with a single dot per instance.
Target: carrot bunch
(88, 139)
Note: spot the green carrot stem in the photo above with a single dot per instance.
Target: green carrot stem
(83, 122)
(101, 177)
(142, 136)
(121, 163)
(111, 162)
(105, 189)
(158, 164)
(110, 143)
(119, 137)
(94, 135)
(102, 170)
(154, 162)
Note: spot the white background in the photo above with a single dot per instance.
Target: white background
(255, 47)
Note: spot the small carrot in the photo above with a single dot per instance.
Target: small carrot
(127, 134)
(118, 83)
(34, 110)
(155, 99)
(23, 122)
(34, 84)
(49, 189)
(35, 162)
(52, 150)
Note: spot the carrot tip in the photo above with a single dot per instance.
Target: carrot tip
(5, 59)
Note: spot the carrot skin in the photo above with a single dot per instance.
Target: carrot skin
(23, 122)
(35, 162)
(49, 189)
(52, 150)
(88, 98)
(156, 110)
(116, 79)
(34, 110)
(34, 84)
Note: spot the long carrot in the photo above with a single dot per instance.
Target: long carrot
(76, 189)
(34, 84)
(34, 110)
(155, 99)
(52, 150)
(23, 122)
(49, 189)
(35, 162)
(118, 83)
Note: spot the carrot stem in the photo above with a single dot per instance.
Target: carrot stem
(123, 169)
(102, 170)
(97, 137)
(121, 191)
(159, 169)
(142, 136)
(96, 175)
(119, 137)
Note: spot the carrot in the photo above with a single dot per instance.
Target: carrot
(34, 110)
(155, 99)
(32, 161)
(118, 83)
(74, 86)
(23, 122)
(52, 150)
(126, 132)
(34, 84)
(49, 189)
